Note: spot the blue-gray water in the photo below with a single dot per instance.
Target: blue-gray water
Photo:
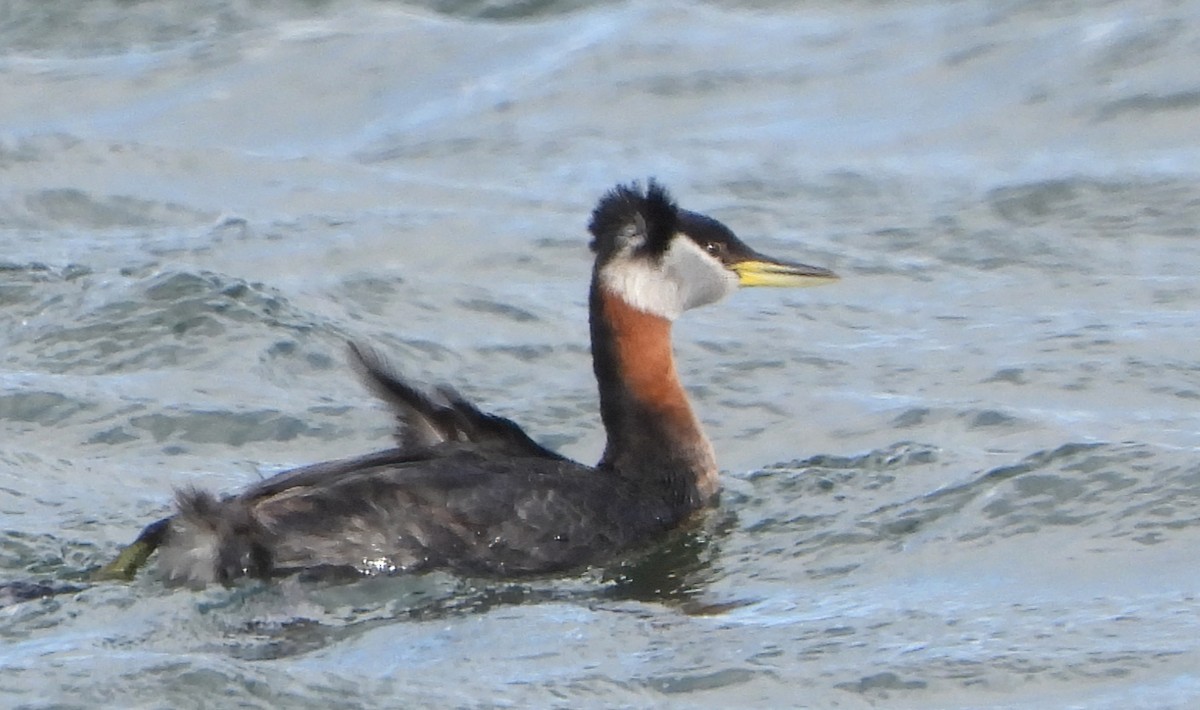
(965, 476)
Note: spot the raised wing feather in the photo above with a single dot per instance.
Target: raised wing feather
(426, 421)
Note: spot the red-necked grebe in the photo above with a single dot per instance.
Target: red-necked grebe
(470, 492)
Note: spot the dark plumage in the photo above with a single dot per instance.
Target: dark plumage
(471, 492)
(424, 420)
(628, 210)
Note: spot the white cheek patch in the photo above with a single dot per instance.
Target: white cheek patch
(642, 286)
(686, 277)
(702, 279)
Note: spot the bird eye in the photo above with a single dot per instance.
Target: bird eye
(715, 248)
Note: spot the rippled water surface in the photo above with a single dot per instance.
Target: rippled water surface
(965, 476)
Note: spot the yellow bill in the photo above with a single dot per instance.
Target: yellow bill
(763, 271)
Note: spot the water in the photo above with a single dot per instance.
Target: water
(965, 476)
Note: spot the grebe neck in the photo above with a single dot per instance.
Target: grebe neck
(653, 435)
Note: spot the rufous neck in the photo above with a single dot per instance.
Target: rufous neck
(653, 434)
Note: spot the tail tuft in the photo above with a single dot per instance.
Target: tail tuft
(213, 540)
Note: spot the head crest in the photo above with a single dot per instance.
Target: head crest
(628, 217)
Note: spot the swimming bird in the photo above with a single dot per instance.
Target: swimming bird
(470, 492)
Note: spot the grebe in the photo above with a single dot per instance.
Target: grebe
(469, 491)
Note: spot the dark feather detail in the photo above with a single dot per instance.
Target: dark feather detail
(214, 540)
(468, 491)
(427, 421)
(326, 472)
(706, 231)
(627, 214)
